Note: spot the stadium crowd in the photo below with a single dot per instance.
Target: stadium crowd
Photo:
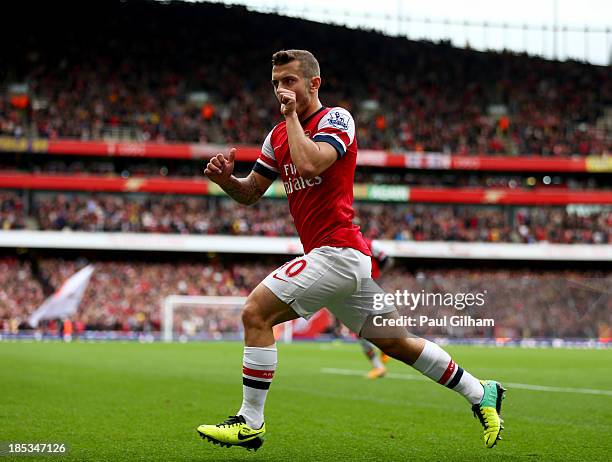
(269, 217)
(187, 79)
(122, 296)
(176, 74)
(523, 303)
(483, 224)
(127, 296)
(12, 213)
(212, 215)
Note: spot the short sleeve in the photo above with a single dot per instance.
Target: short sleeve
(337, 128)
(266, 164)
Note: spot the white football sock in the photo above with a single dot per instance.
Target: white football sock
(370, 352)
(437, 364)
(376, 362)
(258, 369)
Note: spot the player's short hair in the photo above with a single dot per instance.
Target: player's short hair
(308, 63)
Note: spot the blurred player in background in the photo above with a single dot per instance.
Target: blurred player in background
(314, 151)
(380, 263)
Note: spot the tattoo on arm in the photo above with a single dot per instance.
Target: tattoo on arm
(244, 190)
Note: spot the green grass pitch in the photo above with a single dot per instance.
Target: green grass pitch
(129, 401)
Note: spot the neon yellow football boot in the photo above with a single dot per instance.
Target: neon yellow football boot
(488, 411)
(233, 432)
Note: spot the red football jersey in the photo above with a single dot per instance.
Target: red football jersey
(322, 207)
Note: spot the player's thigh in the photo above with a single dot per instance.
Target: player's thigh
(360, 310)
(367, 313)
(314, 280)
(263, 307)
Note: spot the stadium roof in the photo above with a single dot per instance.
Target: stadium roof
(583, 29)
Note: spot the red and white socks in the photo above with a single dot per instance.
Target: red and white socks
(258, 368)
(437, 364)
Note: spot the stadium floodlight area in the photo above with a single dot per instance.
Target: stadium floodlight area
(189, 317)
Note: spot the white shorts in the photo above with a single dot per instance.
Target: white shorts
(338, 278)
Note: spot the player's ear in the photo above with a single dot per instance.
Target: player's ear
(315, 83)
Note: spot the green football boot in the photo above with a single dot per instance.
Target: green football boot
(488, 411)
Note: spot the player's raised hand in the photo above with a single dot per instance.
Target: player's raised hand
(287, 100)
(221, 167)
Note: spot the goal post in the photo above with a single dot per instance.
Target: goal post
(207, 318)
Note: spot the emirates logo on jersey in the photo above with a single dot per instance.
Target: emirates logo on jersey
(295, 182)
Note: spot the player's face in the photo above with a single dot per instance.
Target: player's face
(289, 76)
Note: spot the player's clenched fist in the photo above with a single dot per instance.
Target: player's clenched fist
(287, 100)
(221, 167)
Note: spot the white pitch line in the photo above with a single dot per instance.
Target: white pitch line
(522, 386)
(584, 391)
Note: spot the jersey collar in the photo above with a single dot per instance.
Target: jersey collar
(311, 116)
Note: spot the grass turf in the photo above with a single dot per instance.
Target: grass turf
(117, 401)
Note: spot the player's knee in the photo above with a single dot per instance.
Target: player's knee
(252, 317)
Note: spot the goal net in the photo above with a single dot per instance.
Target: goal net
(188, 317)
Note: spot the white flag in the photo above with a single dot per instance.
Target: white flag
(65, 301)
